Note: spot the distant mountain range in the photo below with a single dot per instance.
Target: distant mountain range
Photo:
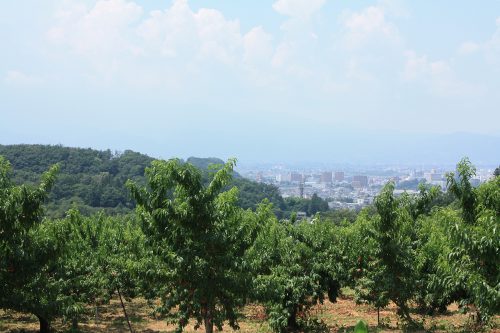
(431, 149)
(377, 147)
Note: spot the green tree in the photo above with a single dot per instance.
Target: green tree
(294, 267)
(434, 289)
(460, 186)
(390, 273)
(317, 205)
(101, 257)
(309, 206)
(340, 216)
(357, 248)
(25, 254)
(475, 240)
(198, 236)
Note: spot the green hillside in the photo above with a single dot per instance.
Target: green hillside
(94, 180)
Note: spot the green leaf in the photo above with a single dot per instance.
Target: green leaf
(361, 327)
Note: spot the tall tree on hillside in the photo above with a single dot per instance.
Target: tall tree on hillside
(198, 236)
(25, 257)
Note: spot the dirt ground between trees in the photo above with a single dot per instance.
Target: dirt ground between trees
(340, 317)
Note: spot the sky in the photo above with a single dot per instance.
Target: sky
(278, 80)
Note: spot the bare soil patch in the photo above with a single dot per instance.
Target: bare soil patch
(340, 317)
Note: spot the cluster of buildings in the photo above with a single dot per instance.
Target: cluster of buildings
(352, 188)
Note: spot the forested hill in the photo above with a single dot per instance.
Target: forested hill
(92, 180)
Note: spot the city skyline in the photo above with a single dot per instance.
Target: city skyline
(354, 189)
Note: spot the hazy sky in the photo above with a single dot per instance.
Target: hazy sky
(254, 79)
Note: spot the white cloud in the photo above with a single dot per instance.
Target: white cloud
(291, 58)
(415, 66)
(172, 46)
(283, 54)
(15, 77)
(102, 29)
(295, 53)
(492, 46)
(219, 38)
(177, 41)
(301, 9)
(115, 29)
(356, 72)
(120, 42)
(258, 46)
(180, 32)
(169, 32)
(468, 48)
(438, 76)
(394, 8)
(418, 67)
(365, 26)
(257, 57)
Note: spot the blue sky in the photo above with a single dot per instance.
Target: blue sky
(262, 80)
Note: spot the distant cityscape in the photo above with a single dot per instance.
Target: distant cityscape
(349, 188)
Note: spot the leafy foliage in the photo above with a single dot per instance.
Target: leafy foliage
(309, 206)
(198, 236)
(475, 240)
(101, 256)
(341, 216)
(361, 327)
(88, 179)
(25, 254)
(461, 187)
(294, 266)
(390, 273)
(434, 289)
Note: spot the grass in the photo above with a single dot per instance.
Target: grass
(340, 317)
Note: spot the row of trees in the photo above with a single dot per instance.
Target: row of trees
(197, 255)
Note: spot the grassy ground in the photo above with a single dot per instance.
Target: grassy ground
(340, 317)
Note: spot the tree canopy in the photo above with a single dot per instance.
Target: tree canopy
(199, 237)
(25, 255)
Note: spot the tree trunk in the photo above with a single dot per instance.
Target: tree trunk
(44, 324)
(208, 321)
(124, 310)
(378, 316)
(406, 313)
(74, 323)
(479, 318)
(292, 320)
